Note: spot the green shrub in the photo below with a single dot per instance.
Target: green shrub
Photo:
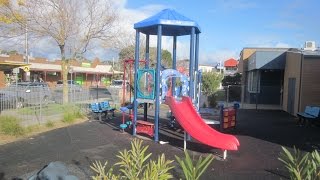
(301, 167)
(9, 125)
(71, 113)
(204, 105)
(134, 164)
(212, 101)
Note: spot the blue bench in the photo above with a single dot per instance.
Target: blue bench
(95, 108)
(102, 107)
(105, 107)
(310, 114)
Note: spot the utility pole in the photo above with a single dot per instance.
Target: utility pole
(27, 74)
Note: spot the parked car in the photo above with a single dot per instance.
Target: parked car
(118, 84)
(24, 94)
(72, 86)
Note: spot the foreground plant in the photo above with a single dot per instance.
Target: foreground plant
(134, 164)
(194, 171)
(102, 172)
(301, 167)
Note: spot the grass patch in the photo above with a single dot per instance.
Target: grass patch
(71, 113)
(9, 125)
(49, 124)
(49, 109)
(33, 128)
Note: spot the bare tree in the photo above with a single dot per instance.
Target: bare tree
(72, 24)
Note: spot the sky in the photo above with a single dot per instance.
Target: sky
(227, 26)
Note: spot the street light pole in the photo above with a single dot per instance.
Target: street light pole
(27, 74)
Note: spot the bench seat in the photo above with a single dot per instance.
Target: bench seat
(310, 114)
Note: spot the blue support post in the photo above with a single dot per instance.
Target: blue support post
(147, 51)
(196, 68)
(191, 70)
(157, 105)
(145, 107)
(136, 64)
(174, 63)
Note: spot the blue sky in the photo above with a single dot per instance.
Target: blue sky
(229, 25)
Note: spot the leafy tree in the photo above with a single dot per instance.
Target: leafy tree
(210, 82)
(232, 80)
(129, 53)
(71, 24)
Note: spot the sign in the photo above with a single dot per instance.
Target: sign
(84, 64)
(15, 70)
(26, 68)
(70, 70)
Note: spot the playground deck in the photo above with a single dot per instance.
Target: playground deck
(261, 135)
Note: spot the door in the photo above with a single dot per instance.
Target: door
(291, 95)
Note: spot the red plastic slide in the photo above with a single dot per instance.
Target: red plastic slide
(192, 123)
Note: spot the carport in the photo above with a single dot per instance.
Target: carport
(6, 66)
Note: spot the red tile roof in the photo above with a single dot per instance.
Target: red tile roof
(230, 63)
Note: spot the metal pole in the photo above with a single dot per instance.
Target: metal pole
(174, 63)
(157, 106)
(136, 64)
(146, 67)
(27, 74)
(196, 67)
(191, 67)
(97, 86)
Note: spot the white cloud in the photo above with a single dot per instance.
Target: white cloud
(218, 55)
(127, 17)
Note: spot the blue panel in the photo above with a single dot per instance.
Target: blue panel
(150, 80)
(173, 24)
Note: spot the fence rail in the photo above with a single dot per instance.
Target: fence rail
(38, 105)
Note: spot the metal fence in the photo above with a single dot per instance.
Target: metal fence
(38, 105)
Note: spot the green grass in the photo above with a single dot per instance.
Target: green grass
(49, 109)
(33, 128)
(49, 124)
(71, 113)
(9, 125)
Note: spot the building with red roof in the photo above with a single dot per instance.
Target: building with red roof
(231, 63)
(230, 66)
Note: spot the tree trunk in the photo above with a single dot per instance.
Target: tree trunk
(64, 71)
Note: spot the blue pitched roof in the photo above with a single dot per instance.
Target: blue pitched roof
(173, 24)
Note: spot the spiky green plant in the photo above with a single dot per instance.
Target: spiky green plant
(133, 163)
(194, 171)
(158, 170)
(102, 172)
(301, 167)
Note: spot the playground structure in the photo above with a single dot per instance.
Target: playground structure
(170, 23)
(145, 90)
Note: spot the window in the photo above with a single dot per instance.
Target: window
(254, 81)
